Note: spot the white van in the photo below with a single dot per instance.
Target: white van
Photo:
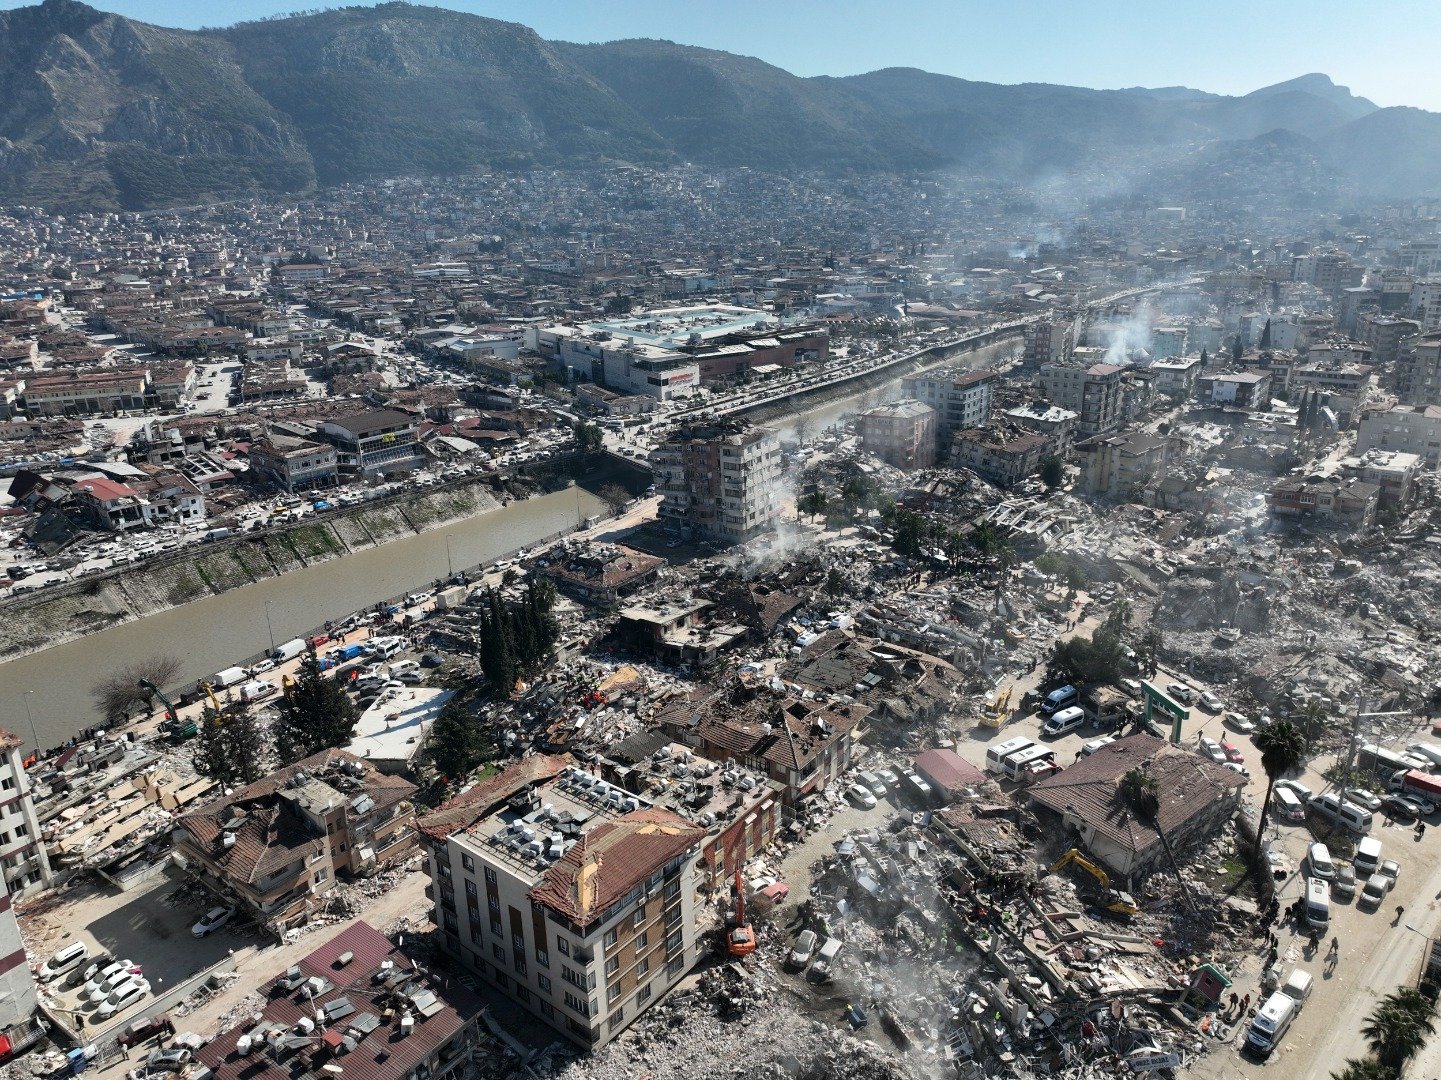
(1318, 905)
(1297, 986)
(996, 755)
(1098, 744)
(1289, 806)
(1064, 720)
(1017, 766)
(1318, 857)
(1427, 751)
(386, 647)
(1368, 855)
(1272, 1020)
(1342, 813)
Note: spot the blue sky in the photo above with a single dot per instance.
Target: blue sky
(1387, 52)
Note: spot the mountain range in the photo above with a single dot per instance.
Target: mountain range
(100, 112)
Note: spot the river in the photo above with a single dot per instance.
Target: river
(218, 631)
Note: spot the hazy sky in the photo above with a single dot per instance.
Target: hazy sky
(1386, 52)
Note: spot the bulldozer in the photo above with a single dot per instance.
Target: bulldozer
(1114, 900)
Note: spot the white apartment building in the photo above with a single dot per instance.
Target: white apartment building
(573, 897)
(960, 397)
(23, 861)
(1094, 391)
(720, 478)
(18, 1000)
(1409, 429)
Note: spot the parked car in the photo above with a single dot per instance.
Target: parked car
(432, 660)
(125, 995)
(173, 1059)
(409, 678)
(1318, 857)
(67, 959)
(889, 778)
(775, 892)
(1180, 691)
(861, 797)
(1361, 797)
(1237, 767)
(1239, 723)
(212, 921)
(1211, 703)
(107, 978)
(804, 950)
(1400, 806)
(1343, 885)
(1212, 749)
(1231, 750)
(1374, 891)
(1390, 870)
(138, 1031)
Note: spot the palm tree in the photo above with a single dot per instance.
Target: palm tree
(1283, 748)
(1142, 794)
(1365, 1069)
(1399, 1025)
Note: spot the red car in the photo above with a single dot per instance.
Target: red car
(1232, 753)
(775, 892)
(138, 1031)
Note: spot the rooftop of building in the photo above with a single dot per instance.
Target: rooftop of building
(364, 987)
(371, 421)
(392, 729)
(594, 565)
(900, 410)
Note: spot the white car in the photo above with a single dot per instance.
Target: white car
(1237, 767)
(1211, 703)
(1212, 749)
(125, 995)
(1361, 797)
(67, 959)
(1239, 723)
(213, 920)
(1300, 790)
(861, 797)
(107, 978)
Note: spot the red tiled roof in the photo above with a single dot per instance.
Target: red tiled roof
(382, 1054)
(471, 806)
(105, 490)
(948, 770)
(611, 860)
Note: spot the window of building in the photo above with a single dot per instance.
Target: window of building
(563, 945)
(612, 991)
(470, 890)
(502, 979)
(543, 981)
(22, 829)
(642, 941)
(518, 942)
(474, 934)
(497, 951)
(490, 874)
(542, 957)
(638, 917)
(494, 902)
(612, 965)
(617, 1018)
(547, 1010)
(611, 937)
(673, 944)
(320, 875)
(675, 967)
(641, 968)
(520, 967)
(577, 1004)
(523, 994)
(495, 925)
(643, 996)
(8, 784)
(469, 863)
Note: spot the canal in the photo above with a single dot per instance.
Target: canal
(53, 685)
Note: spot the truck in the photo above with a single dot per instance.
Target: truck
(341, 653)
(229, 677)
(1380, 760)
(288, 649)
(1422, 783)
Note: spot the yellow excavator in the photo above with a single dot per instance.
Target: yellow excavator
(1115, 901)
(996, 715)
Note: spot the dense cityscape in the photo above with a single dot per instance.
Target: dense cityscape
(684, 620)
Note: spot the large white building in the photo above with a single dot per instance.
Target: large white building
(1409, 429)
(573, 897)
(960, 397)
(719, 478)
(25, 866)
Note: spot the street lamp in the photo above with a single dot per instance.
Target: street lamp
(268, 625)
(449, 559)
(31, 717)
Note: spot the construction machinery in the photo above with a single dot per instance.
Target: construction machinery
(995, 716)
(1115, 901)
(172, 725)
(741, 941)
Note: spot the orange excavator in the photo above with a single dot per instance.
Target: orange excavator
(742, 938)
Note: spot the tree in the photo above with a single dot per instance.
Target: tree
(315, 714)
(1283, 749)
(619, 305)
(230, 745)
(588, 437)
(1149, 653)
(835, 582)
(457, 743)
(1266, 335)
(1238, 348)
(1398, 1026)
(616, 498)
(120, 691)
(1204, 359)
(1311, 718)
(812, 503)
(1053, 471)
(1093, 659)
(1141, 793)
(802, 428)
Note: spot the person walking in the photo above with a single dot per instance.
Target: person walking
(1400, 910)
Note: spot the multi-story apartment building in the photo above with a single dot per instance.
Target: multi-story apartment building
(1385, 333)
(1049, 341)
(1094, 392)
(1241, 389)
(23, 862)
(294, 464)
(961, 398)
(1122, 463)
(570, 895)
(1410, 429)
(1424, 303)
(18, 999)
(1418, 370)
(719, 478)
(1168, 342)
(1392, 472)
(84, 392)
(902, 434)
(379, 441)
(277, 845)
(1176, 377)
(1000, 453)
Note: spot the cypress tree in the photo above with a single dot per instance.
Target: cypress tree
(315, 714)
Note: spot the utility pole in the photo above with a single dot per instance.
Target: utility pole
(268, 625)
(1356, 732)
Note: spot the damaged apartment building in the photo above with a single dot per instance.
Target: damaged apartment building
(573, 897)
(277, 846)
